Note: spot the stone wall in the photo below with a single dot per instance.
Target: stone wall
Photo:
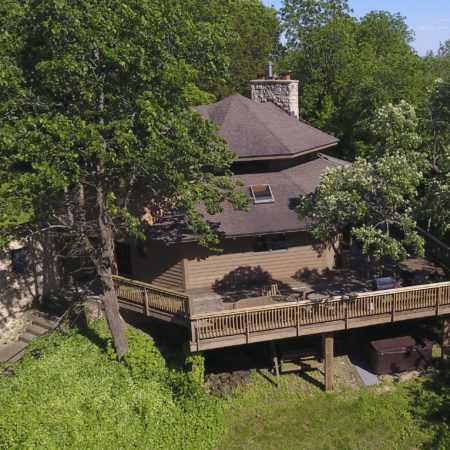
(284, 93)
(21, 287)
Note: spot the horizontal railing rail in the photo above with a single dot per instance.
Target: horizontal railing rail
(151, 297)
(305, 312)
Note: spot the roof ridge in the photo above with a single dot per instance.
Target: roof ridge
(343, 162)
(263, 124)
(237, 95)
(287, 173)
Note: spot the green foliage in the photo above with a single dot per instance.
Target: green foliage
(435, 127)
(349, 68)
(196, 364)
(143, 358)
(257, 31)
(376, 199)
(105, 90)
(75, 396)
(393, 129)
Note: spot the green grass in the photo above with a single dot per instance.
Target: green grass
(296, 416)
(72, 394)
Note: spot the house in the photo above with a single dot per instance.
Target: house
(279, 159)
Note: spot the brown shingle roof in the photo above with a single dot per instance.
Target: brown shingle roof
(279, 216)
(266, 218)
(261, 130)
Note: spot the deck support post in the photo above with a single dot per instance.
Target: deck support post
(328, 353)
(273, 351)
(445, 356)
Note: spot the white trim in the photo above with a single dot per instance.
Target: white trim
(259, 201)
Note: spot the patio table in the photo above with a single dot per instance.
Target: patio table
(316, 297)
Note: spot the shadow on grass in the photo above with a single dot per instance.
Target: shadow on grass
(304, 375)
(170, 339)
(77, 318)
(266, 377)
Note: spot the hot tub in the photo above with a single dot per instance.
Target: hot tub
(398, 354)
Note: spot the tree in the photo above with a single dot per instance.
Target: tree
(257, 32)
(375, 199)
(97, 123)
(444, 49)
(320, 46)
(349, 68)
(393, 129)
(435, 127)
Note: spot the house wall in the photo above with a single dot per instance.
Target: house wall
(18, 291)
(205, 269)
(162, 265)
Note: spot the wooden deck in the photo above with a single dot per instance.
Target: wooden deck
(284, 319)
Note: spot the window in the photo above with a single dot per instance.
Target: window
(123, 257)
(278, 242)
(261, 244)
(19, 260)
(262, 193)
(270, 243)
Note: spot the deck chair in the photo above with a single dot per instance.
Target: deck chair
(271, 291)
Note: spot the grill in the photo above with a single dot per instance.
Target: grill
(380, 284)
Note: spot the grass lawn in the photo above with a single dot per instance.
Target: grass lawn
(300, 416)
(70, 393)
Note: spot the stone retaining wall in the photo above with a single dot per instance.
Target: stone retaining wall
(20, 289)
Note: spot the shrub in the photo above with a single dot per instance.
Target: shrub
(75, 396)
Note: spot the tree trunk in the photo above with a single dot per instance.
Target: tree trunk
(106, 259)
(104, 267)
(111, 305)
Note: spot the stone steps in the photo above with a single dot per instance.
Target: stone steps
(14, 352)
(44, 323)
(27, 337)
(40, 325)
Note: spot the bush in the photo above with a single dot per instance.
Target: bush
(75, 396)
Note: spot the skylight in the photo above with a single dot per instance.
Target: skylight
(262, 193)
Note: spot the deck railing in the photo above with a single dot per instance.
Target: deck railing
(152, 297)
(301, 313)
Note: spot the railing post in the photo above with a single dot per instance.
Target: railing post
(346, 314)
(438, 300)
(394, 297)
(194, 333)
(147, 312)
(190, 306)
(297, 307)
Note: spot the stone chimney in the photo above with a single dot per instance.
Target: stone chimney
(279, 90)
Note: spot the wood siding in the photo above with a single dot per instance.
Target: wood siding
(162, 265)
(205, 269)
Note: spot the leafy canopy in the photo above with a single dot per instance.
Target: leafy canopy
(376, 199)
(349, 68)
(98, 94)
(257, 32)
(435, 127)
